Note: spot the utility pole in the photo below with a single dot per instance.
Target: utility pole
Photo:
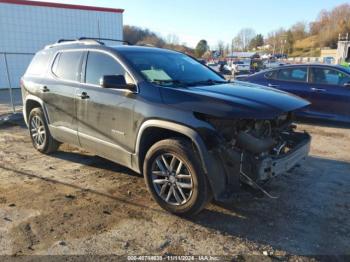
(9, 83)
(274, 44)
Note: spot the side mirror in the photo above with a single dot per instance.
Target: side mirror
(347, 84)
(116, 82)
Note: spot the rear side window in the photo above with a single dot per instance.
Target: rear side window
(67, 65)
(327, 76)
(298, 74)
(39, 64)
(99, 65)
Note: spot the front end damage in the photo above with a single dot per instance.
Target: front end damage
(252, 152)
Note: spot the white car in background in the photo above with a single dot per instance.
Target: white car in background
(272, 64)
(240, 66)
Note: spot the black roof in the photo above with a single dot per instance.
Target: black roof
(135, 48)
(313, 64)
(96, 44)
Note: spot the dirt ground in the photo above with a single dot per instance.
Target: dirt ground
(75, 203)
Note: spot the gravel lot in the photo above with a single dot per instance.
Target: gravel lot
(75, 203)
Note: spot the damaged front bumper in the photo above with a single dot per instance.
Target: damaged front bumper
(264, 168)
(239, 166)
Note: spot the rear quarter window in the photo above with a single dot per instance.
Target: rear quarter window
(67, 65)
(39, 64)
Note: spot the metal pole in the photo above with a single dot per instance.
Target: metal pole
(9, 82)
(98, 28)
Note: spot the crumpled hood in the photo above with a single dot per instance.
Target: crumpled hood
(233, 100)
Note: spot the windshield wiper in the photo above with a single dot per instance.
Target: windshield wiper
(208, 82)
(169, 81)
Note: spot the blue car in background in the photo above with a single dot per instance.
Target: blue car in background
(327, 87)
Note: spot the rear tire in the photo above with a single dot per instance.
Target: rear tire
(175, 178)
(40, 133)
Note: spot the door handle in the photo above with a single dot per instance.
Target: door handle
(271, 85)
(318, 89)
(83, 95)
(44, 89)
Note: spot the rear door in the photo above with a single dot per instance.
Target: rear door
(331, 95)
(105, 116)
(290, 79)
(59, 95)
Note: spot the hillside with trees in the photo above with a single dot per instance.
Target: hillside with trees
(139, 36)
(301, 39)
(304, 39)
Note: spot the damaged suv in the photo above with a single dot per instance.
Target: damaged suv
(192, 134)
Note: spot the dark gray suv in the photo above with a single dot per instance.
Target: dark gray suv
(192, 134)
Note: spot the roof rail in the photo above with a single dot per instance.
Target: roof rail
(81, 40)
(98, 39)
(64, 40)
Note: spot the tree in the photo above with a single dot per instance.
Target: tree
(276, 40)
(201, 48)
(330, 24)
(227, 50)
(243, 38)
(257, 41)
(152, 41)
(237, 44)
(298, 31)
(136, 35)
(207, 55)
(172, 39)
(290, 42)
(221, 48)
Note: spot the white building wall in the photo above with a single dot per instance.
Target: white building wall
(27, 29)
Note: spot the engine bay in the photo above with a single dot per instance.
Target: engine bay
(259, 150)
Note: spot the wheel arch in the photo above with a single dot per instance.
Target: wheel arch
(30, 103)
(153, 131)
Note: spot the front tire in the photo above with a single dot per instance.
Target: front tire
(175, 178)
(40, 133)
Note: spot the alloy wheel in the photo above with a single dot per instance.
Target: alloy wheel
(38, 131)
(172, 179)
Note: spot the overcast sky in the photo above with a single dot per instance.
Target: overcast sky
(192, 20)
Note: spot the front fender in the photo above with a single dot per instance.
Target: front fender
(190, 133)
(211, 165)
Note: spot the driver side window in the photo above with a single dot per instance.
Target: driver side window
(100, 64)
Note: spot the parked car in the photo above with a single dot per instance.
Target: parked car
(193, 135)
(280, 56)
(268, 64)
(327, 87)
(212, 64)
(240, 66)
(223, 68)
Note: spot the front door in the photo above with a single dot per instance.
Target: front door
(105, 116)
(292, 80)
(331, 95)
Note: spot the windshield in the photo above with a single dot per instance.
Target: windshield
(171, 69)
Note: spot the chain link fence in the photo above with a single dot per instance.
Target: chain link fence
(12, 67)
